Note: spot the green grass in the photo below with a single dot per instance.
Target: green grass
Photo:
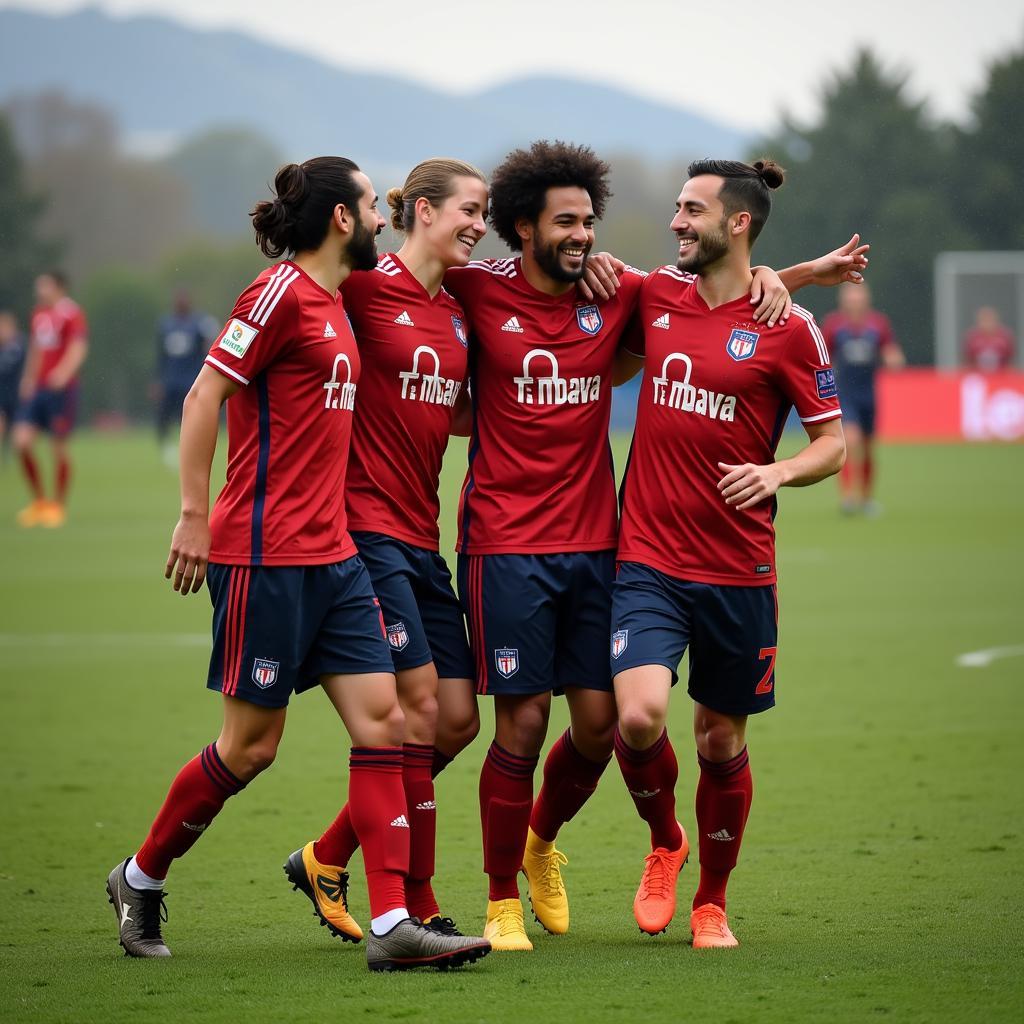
(881, 875)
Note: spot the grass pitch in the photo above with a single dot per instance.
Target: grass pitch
(881, 875)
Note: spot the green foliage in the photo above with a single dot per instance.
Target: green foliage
(23, 252)
(213, 272)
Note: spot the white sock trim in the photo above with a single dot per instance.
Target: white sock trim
(383, 924)
(138, 879)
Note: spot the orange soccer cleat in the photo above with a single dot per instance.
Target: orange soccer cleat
(53, 516)
(655, 902)
(710, 928)
(34, 514)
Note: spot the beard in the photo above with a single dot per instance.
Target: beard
(710, 248)
(547, 259)
(362, 250)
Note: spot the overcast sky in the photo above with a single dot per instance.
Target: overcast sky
(740, 61)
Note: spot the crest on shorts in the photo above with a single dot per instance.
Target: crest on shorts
(620, 638)
(589, 318)
(506, 661)
(264, 673)
(741, 344)
(398, 636)
(460, 330)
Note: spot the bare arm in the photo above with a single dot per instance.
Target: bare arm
(626, 366)
(200, 420)
(836, 267)
(746, 485)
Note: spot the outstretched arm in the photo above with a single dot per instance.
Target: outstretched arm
(842, 265)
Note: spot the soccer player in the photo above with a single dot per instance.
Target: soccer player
(696, 545)
(12, 358)
(537, 518)
(182, 338)
(57, 349)
(859, 340)
(412, 336)
(293, 604)
(988, 344)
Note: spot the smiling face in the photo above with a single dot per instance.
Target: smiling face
(453, 228)
(563, 236)
(700, 225)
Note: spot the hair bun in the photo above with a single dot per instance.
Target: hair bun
(770, 173)
(395, 198)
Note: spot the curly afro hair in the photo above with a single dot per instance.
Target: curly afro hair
(520, 183)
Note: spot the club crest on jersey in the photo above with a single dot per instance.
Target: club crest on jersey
(620, 639)
(506, 661)
(460, 330)
(264, 673)
(741, 344)
(589, 318)
(398, 636)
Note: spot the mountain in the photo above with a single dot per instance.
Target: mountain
(163, 80)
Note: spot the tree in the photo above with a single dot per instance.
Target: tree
(23, 250)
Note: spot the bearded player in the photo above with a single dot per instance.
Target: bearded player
(697, 545)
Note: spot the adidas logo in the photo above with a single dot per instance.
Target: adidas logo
(661, 322)
(400, 822)
(512, 324)
(427, 805)
(404, 319)
(329, 331)
(644, 794)
(722, 835)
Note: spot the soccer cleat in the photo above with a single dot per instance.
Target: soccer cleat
(327, 889)
(53, 515)
(542, 865)
(655, 902)
(710, 928)
(32, 515)
(441, 925)
(139, 913)
(410, 944)
(504, 928)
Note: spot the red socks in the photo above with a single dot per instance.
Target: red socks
(439, 763)
(569, 780)
(339, 842)
(650, 776)
(63, 479)
(196, 796)
(724, 792)
(376, 804)
(417, 778)
(30, 468)
(506, 797)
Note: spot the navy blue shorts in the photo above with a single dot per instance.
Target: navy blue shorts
(859, 409)
(278, 628)
(422, 616)
(49, 410)
(538, 622)
(732, 634)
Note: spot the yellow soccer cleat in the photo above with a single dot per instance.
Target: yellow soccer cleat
(32, 515)
(655, 901)
(504, 929)
(710, 928)
(542, 865)
(53, 515)
(327, 888)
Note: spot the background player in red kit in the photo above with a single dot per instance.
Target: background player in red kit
(293, 604)
(57, 349)
(696, 546)
(412, 337)
(860, 340)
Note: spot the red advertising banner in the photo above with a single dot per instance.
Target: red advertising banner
(939, 405)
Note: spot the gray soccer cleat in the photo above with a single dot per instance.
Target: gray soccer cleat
(139, 913)
(411, 944)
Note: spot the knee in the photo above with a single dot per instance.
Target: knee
(522, 733)
(22, 439)
(457, 728)
(640, 725)
(246, 761)
(392, 726)
(719, 739)
(420, 710)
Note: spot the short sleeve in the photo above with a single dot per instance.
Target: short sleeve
(261, 326)
(804, 373)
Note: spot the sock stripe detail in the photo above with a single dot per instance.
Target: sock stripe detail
(640, 756)
(418, 753)
(218, 772)
(511, 764)
(381, 759)
(724, 768)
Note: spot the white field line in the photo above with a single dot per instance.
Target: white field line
(982, 659)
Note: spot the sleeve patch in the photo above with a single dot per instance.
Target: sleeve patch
(826, 382)
(237, 338)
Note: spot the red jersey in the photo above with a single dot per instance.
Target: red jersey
(989, 351)
(716, 388)
(289, 343)
(413, 350)
(540, 466)
(53, 329)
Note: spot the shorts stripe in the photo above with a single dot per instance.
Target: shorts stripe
(476, 597)
(237, 599)
(380, 616)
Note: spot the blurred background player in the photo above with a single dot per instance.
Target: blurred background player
(413, 345)
(860, 340)
(182, 339)
(58, 345)
(697, 545)
(293, 604)
(12, 361)
(989, 345)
